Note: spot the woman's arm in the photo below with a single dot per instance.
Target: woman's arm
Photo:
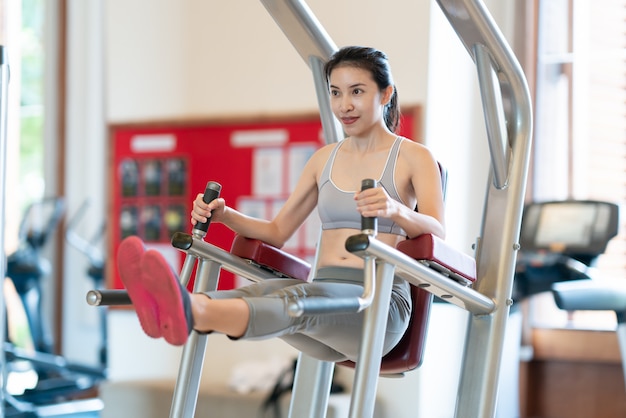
(276, 232)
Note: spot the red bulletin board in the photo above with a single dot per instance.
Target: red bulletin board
(158, 168)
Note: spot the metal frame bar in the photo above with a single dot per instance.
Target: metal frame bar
(367, 368)
(498, 244)
(315, 46)
(311, 387)
(190, 370)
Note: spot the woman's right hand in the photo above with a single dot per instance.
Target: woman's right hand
(203, 211)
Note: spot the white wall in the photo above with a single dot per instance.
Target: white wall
(195, 58)
(167, 59)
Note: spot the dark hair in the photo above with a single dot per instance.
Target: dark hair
(377, 64)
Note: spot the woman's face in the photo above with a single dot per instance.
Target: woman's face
(356, 100)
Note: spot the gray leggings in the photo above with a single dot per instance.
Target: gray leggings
(325, 337)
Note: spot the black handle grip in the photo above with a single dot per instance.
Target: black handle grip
(108, 297)
(211, 192)
(368, 225)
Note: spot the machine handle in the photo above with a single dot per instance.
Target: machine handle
(108, 297)
(211, 192)
(369, 225)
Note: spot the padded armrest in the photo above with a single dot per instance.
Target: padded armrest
(269, 257)
(590, 295)
(434, 252)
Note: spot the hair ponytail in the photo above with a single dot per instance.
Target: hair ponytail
(392, 112)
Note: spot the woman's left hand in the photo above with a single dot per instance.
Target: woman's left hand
(375, 202)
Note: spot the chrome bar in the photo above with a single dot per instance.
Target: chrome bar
(474, 26)
(311, 388)
(494, 115)
(187, 269)
(229, 262)
(323, 306)
(371, 350)
(190, 371)
(315, 46)
(333, 131)
(302, 28)
(369, 283)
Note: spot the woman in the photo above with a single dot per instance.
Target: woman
(364, 100)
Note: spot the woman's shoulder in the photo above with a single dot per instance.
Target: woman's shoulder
(324, 152)
(415, 158)
(327, 148)
(318, 159)
(412, 149)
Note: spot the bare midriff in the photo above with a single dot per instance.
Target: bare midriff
(332, 250)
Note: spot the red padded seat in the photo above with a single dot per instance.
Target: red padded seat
(439, 255)
(408, 353)
(269, 257)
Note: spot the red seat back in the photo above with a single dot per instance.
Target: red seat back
(408, 354)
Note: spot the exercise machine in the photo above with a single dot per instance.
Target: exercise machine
(27, 266)
(56, 385)
(482, 285)
(95, 270)
(562, 241)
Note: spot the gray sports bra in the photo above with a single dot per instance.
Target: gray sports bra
(337, 208)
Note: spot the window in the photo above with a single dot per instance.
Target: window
(24, 27)
(580, 118)
(31, 177)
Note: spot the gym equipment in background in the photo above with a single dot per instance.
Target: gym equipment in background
(51, 385)
(95, 270)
